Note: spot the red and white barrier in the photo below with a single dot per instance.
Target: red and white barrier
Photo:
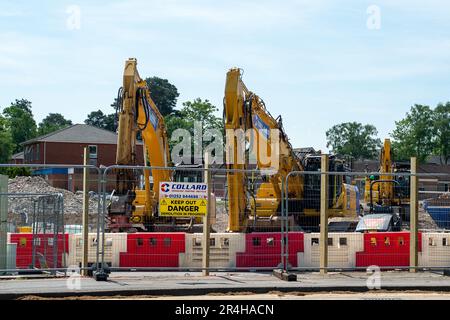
(237, 250)
(44, 246)
(342, 248)
(386, 249)
(263, 250)
(222, 252)
(435, 250)
(153, 250)
(115, 243)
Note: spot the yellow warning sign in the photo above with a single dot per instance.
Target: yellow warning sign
(182, 207)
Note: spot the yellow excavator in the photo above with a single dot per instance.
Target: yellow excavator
(386, 195)
(251, 132)
(135, 208)
(388, 192)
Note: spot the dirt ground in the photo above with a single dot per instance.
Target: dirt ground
(277, 295)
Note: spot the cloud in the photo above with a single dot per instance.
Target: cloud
(243, 15)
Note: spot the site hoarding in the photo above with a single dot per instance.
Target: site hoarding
(183, 199)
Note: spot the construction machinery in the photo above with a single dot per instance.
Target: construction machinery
(386, 194)
(342, 195)
(252, 133)
(389, 189)
(135, 205)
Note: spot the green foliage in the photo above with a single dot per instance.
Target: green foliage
(196, 110)
(6, 143)
(13, 172)
(53, 122)
(441, 120)
(354, 140)
(164, 94)
(100, 120)
(22, 126)
(414, 135)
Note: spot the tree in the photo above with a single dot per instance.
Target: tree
(196, 110)
(441, 120)
(354, 139)
(20, 122)
(110, 122)
(6, 142)
(163, 93)
(53, 122)
(100, 120)
(414, 135)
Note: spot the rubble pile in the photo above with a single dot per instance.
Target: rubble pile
(426, 222)
(73, 202)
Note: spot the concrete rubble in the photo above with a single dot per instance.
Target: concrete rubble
(73, 202)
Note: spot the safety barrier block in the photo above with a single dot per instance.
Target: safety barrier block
(44, 246)
(115, 243)
(153, 250)
(222, 250)
(386, 249)
(263, 249)
(342, 249)
(435, 250)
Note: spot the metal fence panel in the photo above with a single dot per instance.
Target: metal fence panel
(44, 226)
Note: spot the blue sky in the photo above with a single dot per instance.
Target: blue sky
(314, 62)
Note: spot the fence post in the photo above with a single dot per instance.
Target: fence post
(205, 260)
(3, 220)
(414, 216)
(84, 260)
(323, 215)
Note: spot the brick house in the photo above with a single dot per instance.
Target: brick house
(66, 147)
(16, 158)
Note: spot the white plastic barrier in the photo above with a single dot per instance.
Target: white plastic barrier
(223, 249)
(435, 250)
(11, 255)
(342, 248)
(114, 244)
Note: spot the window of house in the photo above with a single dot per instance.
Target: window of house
(37, 155)
(92, 155)
(92, 152)
(28, 153)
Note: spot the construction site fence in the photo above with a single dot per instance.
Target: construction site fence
(41, 234)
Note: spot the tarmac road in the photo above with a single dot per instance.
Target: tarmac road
(158, 284)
